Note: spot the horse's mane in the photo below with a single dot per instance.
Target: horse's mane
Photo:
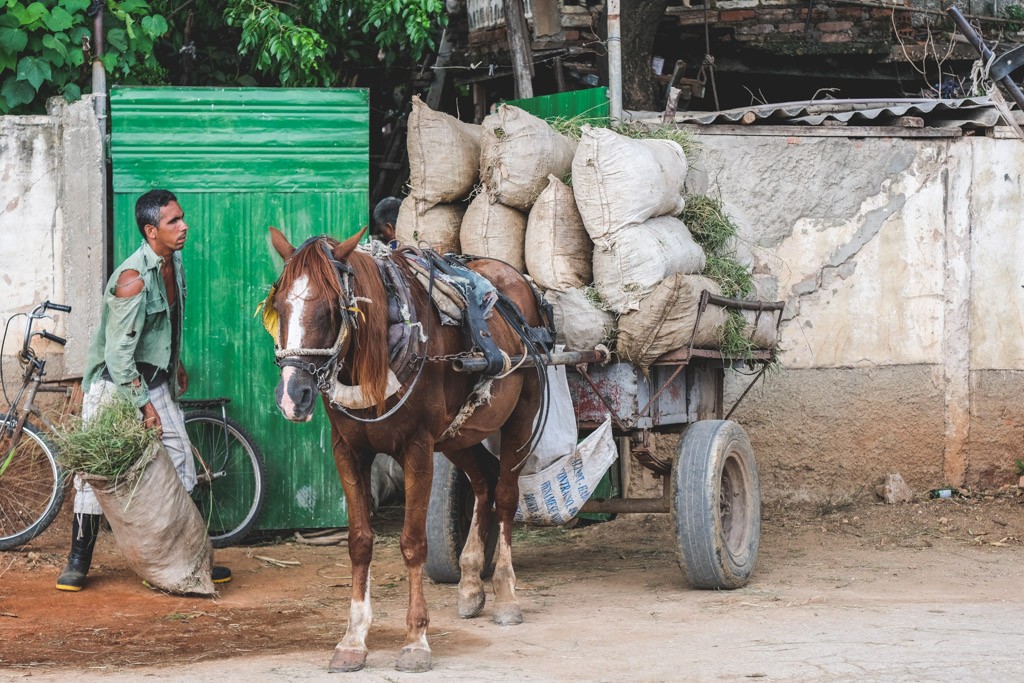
(370, 345)
(369, 366)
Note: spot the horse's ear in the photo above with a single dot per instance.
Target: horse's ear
(281, 243)
(342, 251)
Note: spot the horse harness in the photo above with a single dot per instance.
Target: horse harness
(407, 338)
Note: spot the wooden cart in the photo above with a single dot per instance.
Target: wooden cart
(711, 485)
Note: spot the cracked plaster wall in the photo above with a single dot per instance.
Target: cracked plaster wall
(52, 235)
(901, 262)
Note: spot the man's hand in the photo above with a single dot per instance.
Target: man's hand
(182, 378)
(151, 419)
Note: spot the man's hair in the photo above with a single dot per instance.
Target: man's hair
(147, 208)
(385, 212)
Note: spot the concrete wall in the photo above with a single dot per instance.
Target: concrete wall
(902, 265)
(52, 229)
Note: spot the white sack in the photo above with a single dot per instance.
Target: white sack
(558, 434)
(437, 225)
(761, 328)
(579, 323)
(517, 153)
(157, 526)
(444, 155)
(620, 180)
(559, 253)
(555, 494)
(494, 230)
(666, 319)
(640, 257)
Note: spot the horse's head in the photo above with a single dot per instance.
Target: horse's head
(313, 301)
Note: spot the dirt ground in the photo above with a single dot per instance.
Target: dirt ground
(842, 591)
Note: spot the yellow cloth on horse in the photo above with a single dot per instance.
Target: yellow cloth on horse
(270, 317)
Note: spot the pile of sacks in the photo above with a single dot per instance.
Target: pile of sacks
(608, 252)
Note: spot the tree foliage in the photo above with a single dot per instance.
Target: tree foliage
(45, 45)
(45, 48)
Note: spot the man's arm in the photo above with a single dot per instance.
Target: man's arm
(124, 327)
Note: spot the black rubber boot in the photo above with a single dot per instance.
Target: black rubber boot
(220, 574)
(83, 539)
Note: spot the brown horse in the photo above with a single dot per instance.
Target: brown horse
(333, 328)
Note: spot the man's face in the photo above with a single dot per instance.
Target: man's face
(169, 235)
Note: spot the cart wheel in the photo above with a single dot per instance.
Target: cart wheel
(449, 516)
(716, 505)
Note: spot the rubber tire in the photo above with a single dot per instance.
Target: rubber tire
(255, 464)
(56, 492)
(716, 505)
(449, 516)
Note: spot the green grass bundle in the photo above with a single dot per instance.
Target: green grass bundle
(708, 223)
(110, 444)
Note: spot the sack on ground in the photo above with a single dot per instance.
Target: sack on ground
(436, 225)
(444, 155)
(666, 319)
(517, 153)
(580, 323)
(555, 494)
(494, 230)
(619, 181)
(641, 256)
(157, 526)
(561, 254)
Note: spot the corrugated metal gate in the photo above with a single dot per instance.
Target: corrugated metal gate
(240, 160)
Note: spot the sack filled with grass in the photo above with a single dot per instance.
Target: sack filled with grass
(154, 521)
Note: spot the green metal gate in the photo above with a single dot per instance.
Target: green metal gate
(241, 160)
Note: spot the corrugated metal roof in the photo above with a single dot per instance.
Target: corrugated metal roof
(965, 112)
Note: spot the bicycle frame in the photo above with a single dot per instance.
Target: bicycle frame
(32, 381)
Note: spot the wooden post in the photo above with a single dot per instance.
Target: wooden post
(519, 47)
(559, 74)
(479, 102)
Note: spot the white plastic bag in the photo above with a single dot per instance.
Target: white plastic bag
(555, 495)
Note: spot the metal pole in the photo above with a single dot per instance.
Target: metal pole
(614, 61)
(477, 363)
(986, 54)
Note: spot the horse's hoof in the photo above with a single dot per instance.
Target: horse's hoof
(507, 614)
(413, 661)
(347, 660)
(471, 605)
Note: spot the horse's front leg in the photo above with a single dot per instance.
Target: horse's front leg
(418, 467)
(350, 653)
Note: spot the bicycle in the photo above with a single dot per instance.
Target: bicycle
(31, 480)
(230, 471)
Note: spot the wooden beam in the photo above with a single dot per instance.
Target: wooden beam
(519, 47)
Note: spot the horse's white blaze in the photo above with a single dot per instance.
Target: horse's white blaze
(360, 616)
(297, 298)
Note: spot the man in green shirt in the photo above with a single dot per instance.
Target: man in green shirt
(136, 352)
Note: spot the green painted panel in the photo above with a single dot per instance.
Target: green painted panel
(230, 264)
(246, 138)
(590, 104)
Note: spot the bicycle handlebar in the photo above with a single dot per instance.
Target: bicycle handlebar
(37, 313)
(56, 307)
(52, 337)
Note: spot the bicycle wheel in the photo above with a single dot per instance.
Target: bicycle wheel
(31, 487)
(230, 471)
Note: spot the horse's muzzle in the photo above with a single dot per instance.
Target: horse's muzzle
(296, 395)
